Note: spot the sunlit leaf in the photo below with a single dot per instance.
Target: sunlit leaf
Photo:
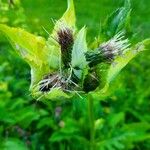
(28, 46)
(67, 20)
(69, 16)
(33, 50)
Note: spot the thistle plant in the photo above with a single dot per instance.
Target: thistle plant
(64, 66)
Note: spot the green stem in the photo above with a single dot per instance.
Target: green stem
(91, 121)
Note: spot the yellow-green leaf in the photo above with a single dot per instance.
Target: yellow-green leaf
(33, 50)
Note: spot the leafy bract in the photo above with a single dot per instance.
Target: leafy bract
(28, 46)
(42, 56)
(78, 53)
(121, 61)
(69, 15)
(33, 50)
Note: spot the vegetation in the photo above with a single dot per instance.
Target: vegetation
(83, 107)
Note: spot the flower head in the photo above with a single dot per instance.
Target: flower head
(107, 51)
(54, 80)
(114, 47)
(65, 40)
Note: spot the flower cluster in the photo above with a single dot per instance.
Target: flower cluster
(64, 63)
(106, 52)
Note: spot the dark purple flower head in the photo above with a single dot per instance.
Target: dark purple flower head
(114, 47)
(65, 40)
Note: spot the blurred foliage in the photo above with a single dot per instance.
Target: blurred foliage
(122, 120)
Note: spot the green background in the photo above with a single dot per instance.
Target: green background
(28, 124)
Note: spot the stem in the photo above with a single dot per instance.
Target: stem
(91, 121)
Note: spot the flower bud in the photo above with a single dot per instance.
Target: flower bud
(107, 51)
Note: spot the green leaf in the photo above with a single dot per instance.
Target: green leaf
(28, 46)
(45, 122)
(68, 19)
(25, 116)
(115, 119)
(6, 117)
(118, 20)
(69, 131)
(137, 131)
(126, 135)
(112, 143)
